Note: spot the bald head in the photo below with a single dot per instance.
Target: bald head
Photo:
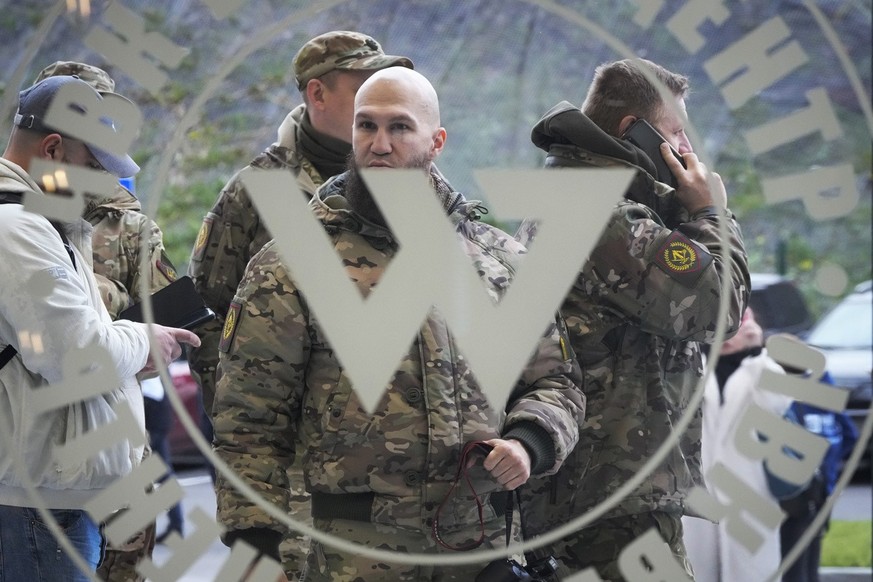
(404, 87)
(397, 121)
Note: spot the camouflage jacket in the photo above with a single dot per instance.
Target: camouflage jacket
(230, 235)
(642, 302)
(120, 228)
(282, 391)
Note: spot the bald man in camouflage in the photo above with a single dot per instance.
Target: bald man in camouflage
(382, 480)
(313, 145)
(120, 227)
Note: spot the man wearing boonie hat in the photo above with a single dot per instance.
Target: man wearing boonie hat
(314, 142)
(119, 230)
(50, 311)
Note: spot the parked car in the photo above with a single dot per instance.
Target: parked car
(845, 335)
(182, 448)
(778, 305)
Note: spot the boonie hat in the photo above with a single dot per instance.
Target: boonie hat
(342, 50)
(34, 102)
(94, 76)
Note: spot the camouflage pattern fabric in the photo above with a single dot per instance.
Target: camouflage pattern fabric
(119, 563)
(283, 394)
(341, 50)
(231, 234)
(94, 76)
(642, 302)
(327, 564)
(119, 229)
(119, 224)
(599, 546)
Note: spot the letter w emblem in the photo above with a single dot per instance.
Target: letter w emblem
(371, 335)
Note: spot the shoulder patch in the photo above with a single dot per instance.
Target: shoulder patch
(202, 239)
(164, 265)
(682, 259)
(228, 332)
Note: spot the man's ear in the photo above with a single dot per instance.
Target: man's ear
(625, 123)
(315, 93)
(52, 147)
(439, 141)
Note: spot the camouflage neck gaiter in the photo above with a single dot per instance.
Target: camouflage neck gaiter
(444, 191)
(328, 154)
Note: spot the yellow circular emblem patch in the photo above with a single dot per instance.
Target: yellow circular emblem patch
(201, 237)
(680, 256)
(229, 324)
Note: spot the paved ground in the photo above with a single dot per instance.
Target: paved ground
(198, 493)
(856, 503)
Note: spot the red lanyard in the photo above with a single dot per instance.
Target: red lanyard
(471, 447)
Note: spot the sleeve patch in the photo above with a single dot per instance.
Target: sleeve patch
(682, 259)
(228, 332)
(202, 239)
(164, 265)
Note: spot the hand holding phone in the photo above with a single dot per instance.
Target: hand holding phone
(644, 136)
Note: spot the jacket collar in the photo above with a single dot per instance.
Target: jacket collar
(332, 208)
(566, 124)
(571, 139)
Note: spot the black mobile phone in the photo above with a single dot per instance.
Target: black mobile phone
(647, 138)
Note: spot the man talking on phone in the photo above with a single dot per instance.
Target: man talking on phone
(649, 292)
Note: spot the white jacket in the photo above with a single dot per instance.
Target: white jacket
(715, 555)
(47, 310)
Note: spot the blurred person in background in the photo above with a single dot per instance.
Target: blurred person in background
(801, 510)
(715, 554)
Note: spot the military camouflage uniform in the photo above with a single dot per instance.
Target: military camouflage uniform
(119, 229)
(119, 224)
(231, 233)
(379, 479)
(645, 298)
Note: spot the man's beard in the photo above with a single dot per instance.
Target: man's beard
(359, 197)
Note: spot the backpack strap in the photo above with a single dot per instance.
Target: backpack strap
(10, 197)
(66, 242)
(6, 355)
